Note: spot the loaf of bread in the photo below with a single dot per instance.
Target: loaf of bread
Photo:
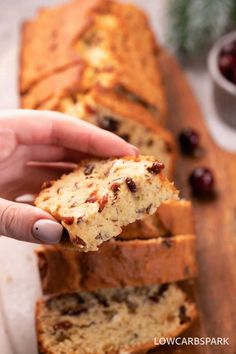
(117, 263)
(112, 321)
(92, 44)
(95, 201)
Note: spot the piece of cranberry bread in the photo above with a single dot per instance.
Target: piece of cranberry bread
(117, 263)
(109, 44)
(112, 321)
(101, 196)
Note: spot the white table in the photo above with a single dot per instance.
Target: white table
(19, 287)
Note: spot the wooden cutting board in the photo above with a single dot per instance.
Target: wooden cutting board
(215, 221)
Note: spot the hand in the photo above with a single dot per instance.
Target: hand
(45, 137)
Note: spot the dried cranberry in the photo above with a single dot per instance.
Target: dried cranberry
(101, 299)
(159, 293)
(115, 187)
(92, 198)
(89, 109)
(68, 220)
(189, 140)
(88, 169)
(150, 142)
(63, 325)
(125, 137)
(156, 167)
(109, 123)
(102, 203)
(202, 182)
(183, 318)
(131, 185)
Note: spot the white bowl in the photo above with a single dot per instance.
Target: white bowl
(224, 90)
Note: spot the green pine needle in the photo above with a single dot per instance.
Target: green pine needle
(195, 24)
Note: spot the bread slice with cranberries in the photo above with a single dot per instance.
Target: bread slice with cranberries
(100, 197)
(120, 321)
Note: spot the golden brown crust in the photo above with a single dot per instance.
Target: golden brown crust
(177, 217)
(65, 82)
(118, 263)
(48, 40)
(123, 36)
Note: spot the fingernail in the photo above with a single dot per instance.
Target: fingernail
(47, 231)
(135, 150)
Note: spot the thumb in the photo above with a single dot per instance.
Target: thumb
(27, 223)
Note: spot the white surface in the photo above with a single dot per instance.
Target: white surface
(19, 287)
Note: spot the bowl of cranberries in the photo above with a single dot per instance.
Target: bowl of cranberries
(222, 67)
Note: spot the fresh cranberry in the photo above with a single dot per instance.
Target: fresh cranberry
(202, 182)
(227, 61)
(189, 140)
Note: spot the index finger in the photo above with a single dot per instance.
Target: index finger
(48, 127)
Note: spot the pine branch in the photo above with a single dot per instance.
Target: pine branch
(195, 24)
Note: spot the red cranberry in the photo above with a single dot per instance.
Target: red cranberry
(202, 182)
(189, 140)
(227, 64)
(68, 220)
(109, 123)
(227, 61)
(131, 185)
(156, 167)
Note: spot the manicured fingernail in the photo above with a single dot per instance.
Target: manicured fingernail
(47, 231)
(135, 150)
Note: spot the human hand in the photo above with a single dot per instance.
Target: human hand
(44, 137)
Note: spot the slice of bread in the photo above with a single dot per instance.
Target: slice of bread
(95, 201)
(118, 263)
(112, 321)
(111, 115)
